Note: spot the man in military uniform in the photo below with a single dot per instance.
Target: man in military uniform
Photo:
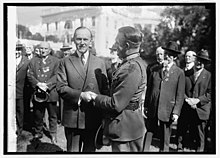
(42, 76)
(124, 123)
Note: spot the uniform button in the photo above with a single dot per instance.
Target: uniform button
(38, 75)
(45, 75)
(45, 81)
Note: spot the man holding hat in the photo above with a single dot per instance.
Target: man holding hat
(198, 97)
(164, 98)
(66, 49)
(42, 73)
(21, 74)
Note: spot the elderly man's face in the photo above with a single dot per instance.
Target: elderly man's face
(44, 49)
(160, 55)
(189, 57)
(82, 40)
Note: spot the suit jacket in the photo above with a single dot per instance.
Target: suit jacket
(40, 72)
(21, 74)
(165, 94)
(200, 89)
(74, 78)
(124, 120)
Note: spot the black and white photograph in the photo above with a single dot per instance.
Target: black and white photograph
(106, 79)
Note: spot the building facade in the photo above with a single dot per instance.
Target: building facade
(103, 21)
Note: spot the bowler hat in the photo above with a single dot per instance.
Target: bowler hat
(172, 48)
(65, 47)
(203, 54)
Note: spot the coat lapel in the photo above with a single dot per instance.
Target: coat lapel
(75, 60)
(201, 76)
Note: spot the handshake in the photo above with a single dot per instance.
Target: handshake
(88, 96)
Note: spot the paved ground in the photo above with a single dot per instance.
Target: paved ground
(25, 143)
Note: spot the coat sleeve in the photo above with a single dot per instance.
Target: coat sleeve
(126, 85)
(51, 83)
(30, 74)
(180, 91)
(65, 91)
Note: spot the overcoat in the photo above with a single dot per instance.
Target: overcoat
(165, 94)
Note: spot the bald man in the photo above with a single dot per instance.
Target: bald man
(42, 72)
(185, 118)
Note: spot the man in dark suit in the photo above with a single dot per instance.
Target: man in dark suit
(164, 98)
(77, 74)
(124, 123)
(42, 72)
(185, 119)
(21, 74)
(198, 98)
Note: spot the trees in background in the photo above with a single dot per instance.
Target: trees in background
(193, 27)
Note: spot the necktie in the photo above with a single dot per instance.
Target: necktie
(196, 75)
(165, 71)
(83, 59)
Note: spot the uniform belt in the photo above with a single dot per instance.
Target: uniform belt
(133, 106)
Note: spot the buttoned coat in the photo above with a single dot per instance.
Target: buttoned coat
(44, 72)
(165, 94)
(21, 74)
(201, 89)
(128, 84)
(74, 78)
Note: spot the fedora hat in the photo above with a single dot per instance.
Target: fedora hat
(172, 48)
(65, 47)
(203, 54)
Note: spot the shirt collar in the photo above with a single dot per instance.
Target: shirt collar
(86, 54)
(132, 56)
(169, 66)
(189, 66)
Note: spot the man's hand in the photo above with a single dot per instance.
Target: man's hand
(85, 96)
(175, 117)
(92, 95)
(43, 86)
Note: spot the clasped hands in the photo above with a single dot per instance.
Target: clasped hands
(88, 96)
(192, 102)
(43, 86)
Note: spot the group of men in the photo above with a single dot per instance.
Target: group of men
(81, 80)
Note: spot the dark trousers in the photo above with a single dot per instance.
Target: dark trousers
(165, 129)
(152, 128)
(185, 129)
(131, 146)
(19, 115)
(80, 140)
(39, 112)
